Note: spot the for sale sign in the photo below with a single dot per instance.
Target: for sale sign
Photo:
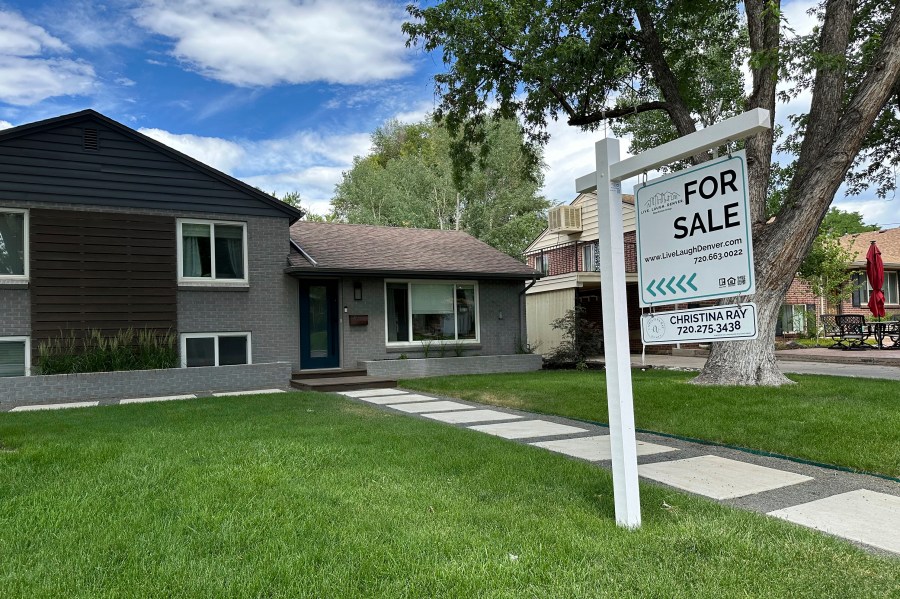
(715, 323)
(693, 234)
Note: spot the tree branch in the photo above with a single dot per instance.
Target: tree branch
(663, 75)
(765, 37)
(614, 113)
(829, 85)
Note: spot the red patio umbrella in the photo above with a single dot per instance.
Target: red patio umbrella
(875, 272)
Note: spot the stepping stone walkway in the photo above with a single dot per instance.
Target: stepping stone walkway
(861, 508)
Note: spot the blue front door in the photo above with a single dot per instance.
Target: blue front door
(319, 325)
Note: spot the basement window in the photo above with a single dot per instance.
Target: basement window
(15, 356)
(214, 349)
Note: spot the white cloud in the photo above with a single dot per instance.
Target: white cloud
(5, 125)
(216, 152)
(570, 154)
(30, 70)
(283, 41)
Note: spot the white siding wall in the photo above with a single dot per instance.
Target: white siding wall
(541, 309)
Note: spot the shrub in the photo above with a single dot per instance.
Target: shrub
(581, 339)
(126, 350)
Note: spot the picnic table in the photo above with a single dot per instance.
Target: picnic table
(881, 329)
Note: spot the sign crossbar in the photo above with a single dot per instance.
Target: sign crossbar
(739, 127)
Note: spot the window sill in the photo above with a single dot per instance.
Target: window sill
(435, 347)
(13, 283)
(204, 286)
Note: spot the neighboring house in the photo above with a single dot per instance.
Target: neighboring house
(104, 228)
(801, 301)
(566, 253)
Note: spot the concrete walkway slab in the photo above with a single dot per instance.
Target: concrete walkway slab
(371, 393)
(383, 400)
(56, 406)
(470, 416)
(430, 406)
(155, 399)
(527, 429)
(719, 478)
(253, 392)
(596, 449)
(862, 515)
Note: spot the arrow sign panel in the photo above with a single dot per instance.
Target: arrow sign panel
(693, 234)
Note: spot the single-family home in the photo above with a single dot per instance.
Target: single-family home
(801, 303)
(103, 228)
(566, 254)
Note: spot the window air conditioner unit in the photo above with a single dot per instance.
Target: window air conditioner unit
(565, 219)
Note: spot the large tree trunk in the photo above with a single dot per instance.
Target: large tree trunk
(833, 138)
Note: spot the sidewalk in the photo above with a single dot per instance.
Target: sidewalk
(861, 508)
(788, 366)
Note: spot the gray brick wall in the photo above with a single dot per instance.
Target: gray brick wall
(62, 388)
(269, 308)
(499, 321)
(15, 312)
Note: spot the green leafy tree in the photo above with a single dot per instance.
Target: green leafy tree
(611, 61)
(409, 180)
(293, 198)
(825, 265)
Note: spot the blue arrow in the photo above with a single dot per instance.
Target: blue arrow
(680, 281)
(690, 282)
(650, 287)
(659, 286)
(669, 285)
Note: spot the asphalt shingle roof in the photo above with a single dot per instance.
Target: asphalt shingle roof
(368, 249)
(888, 241)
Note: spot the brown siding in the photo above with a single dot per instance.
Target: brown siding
(97, 270)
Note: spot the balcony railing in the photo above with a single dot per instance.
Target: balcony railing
(576, 256)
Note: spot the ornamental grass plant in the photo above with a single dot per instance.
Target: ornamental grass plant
(95, 352)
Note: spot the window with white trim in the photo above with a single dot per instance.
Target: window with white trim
(891, 291)
(13, 244)
(15, 356)
(215, 349)
(431, 311)
(212, 251)
(590, 255)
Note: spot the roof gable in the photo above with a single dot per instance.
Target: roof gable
(88, 158)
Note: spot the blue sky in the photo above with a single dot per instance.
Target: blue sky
(280, 93)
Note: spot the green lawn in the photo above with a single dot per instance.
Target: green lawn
(835, 420)
(314, 496)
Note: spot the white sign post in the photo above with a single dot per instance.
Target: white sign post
(606, 180)
(693, 234)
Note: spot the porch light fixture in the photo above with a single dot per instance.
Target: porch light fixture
(357, 290)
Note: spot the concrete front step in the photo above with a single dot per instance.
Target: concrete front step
(343, 383)
(331, 373)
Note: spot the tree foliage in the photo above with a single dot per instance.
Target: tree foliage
(409, 180)
(825, 265)
(658, 69)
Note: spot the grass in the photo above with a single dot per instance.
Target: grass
(307, 495)
(842, 421)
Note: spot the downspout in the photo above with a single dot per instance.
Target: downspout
(522, 329)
